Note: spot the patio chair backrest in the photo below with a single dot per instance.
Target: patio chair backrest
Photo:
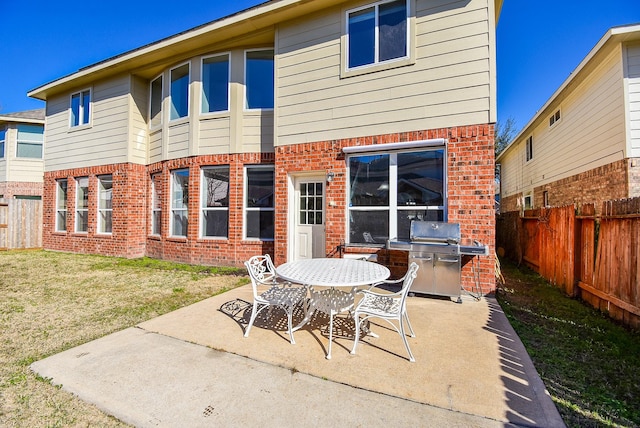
(261, 271)
(411, 274)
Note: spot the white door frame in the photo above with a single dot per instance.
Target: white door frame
(291, 205)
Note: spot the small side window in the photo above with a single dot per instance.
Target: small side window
(529, 148)
(80, 112)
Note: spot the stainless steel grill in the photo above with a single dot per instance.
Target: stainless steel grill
(437, 247)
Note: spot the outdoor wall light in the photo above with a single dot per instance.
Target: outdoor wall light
(330, 176)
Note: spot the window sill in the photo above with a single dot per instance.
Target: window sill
(375, 68)
(182, 239)
(80, 127)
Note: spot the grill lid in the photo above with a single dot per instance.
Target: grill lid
(435, 231)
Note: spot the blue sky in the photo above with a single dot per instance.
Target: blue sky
(539, 42)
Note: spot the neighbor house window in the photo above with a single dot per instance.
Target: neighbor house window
(80, 108)
(156, 204)
(30, 141)
(377, 33)
(529, 149)
(389, 190)
(61, 206)
(259, 205)
(105, 203)
(155, 105)
(179, 202)
(215, 202)
(82, 204)
(179, 92)
(3, 136)
(555, 118)
(528, 202)
(259, 79)
(215, 84)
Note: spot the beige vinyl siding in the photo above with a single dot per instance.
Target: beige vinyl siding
(26, 170)
(590, 133)
(3, 169)
(633, 76)
(257, 130)
(155, 146)
(104, 141)
(138, 129)
(591, 130)
(215, 135)
(178, 140)
(449, 84)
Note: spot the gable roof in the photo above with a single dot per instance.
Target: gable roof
(255, 25)
(26, 116)
(613, 37)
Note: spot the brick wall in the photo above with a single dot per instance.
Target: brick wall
(11, 189)
(470, 200)
(470, 176)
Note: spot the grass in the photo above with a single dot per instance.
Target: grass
(589, 364)
(53, 301)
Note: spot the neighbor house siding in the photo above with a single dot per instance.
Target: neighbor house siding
(448, 85)
(633, 79)
(589, 135)
(103, 141)
(26, 170)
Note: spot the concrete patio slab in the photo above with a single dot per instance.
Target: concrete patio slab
(193, 367)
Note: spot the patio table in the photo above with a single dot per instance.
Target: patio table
(336, 274)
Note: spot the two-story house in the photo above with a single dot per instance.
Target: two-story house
(21, 154)
(583, 145)
(297, 128)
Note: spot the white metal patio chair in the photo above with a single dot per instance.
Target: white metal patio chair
(387, 306)
(270, 291)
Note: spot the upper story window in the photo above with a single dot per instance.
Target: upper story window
(179, 202)
(82, 204)
(61, 205)
(259, 79)
(529, 148)
(105, 203)
(389, 190)
(179, 92)
(30, 141)
(215, 84)
(3, 136)
(155, 104)
(259, 205)
(555, 118)
(377, 33)
(80, 113)
(215, 202)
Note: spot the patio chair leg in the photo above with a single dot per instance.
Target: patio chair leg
(330, 335)
(289, 324)
(355, 341)
(406, 344)
(409, 324)
(254, 314)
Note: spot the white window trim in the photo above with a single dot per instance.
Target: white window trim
(78, 210)
(3, 140)
(393, 186)
(99, 210)
(172, 209)
(162, 109)
(58, 209)
(245, 104)
(228, 109)
(189, 97)
(154, 191)
(203, 199)
(246, 209)
(81, 125)
(377, 65)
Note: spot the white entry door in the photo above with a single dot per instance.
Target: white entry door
(309, 235)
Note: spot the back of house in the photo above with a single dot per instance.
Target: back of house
(301, 129)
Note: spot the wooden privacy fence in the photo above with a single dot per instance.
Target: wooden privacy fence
(20, 224)
(596, 257)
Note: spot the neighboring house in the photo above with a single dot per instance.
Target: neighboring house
(21, 150)
(583, 145)
(289, 128)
